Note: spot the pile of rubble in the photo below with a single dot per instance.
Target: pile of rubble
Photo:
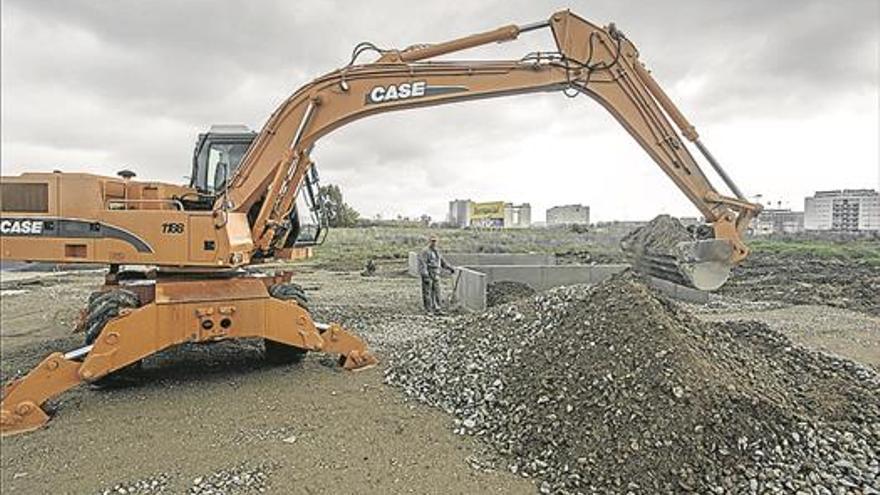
(658, 247)
(504, 291)
(613, 389)
(659, 236)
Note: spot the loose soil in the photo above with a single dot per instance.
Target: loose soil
(507, 291)
(799, 279)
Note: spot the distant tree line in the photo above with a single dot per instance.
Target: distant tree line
(339, 213)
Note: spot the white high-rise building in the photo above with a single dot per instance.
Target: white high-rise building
(517, 216)
(847, 210)
(569, 215)
(460, 212)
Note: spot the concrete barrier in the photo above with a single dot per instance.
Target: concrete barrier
(543, 277)
(472, 282)
(479, 259)
(470, 288)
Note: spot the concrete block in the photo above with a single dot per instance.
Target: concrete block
(470, 289)
(473, 281)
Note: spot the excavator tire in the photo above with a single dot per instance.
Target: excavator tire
(276, 352)
(101, 310)
(98, 300)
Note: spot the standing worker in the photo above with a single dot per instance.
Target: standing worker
(430, 264)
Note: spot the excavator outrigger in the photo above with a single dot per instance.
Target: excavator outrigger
(202, 238)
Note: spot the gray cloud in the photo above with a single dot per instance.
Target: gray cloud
(103, 84)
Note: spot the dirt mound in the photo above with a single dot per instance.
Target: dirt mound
(801, 279)
(503, 292)
(659, 236)
(613, 389)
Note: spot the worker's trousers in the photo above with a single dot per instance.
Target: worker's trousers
(431, 293)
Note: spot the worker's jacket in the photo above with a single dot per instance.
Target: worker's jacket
(430, 263)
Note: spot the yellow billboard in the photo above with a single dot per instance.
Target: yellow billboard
(490, 214)
(492, 209)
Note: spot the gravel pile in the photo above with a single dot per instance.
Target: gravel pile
(613, 389)
(503, 292)
(660, 235)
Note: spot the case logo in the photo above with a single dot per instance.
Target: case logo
(400, 91)
(23, 227)
(407, 91)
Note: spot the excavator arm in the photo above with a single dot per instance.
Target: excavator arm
(599, 62)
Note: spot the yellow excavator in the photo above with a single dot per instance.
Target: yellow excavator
(254, 196)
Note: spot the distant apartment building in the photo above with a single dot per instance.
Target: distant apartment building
(846, 210)
(568, 215)
(777, 221)
(517, 216)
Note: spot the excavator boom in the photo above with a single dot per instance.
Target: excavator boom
(598, 62)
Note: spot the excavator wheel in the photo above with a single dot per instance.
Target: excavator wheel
(100, 311)
(80, 326)
(276, 352)
(107, 299)
(95, 295)
(104, 308)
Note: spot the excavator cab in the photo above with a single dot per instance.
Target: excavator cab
(217, 154)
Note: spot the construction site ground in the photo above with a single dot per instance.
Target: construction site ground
(203, 418)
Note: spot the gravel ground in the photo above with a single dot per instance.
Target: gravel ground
(613, 389)
(203, 418)
(841, 332)
(217, 419)
(798, 279)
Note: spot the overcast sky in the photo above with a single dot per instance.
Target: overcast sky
(784, 92)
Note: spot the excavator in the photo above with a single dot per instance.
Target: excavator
(254, 196)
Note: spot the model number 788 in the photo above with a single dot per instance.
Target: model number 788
(172, 228)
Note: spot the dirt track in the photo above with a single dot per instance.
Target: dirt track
(202, 413)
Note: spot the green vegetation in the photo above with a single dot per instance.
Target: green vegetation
(339, 213)
(349, 248)
(867, 251)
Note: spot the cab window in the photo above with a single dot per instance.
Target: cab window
(223, 159)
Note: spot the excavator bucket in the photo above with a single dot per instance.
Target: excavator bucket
(665, 249)
(705, 264)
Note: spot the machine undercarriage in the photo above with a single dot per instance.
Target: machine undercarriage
(127, 322)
